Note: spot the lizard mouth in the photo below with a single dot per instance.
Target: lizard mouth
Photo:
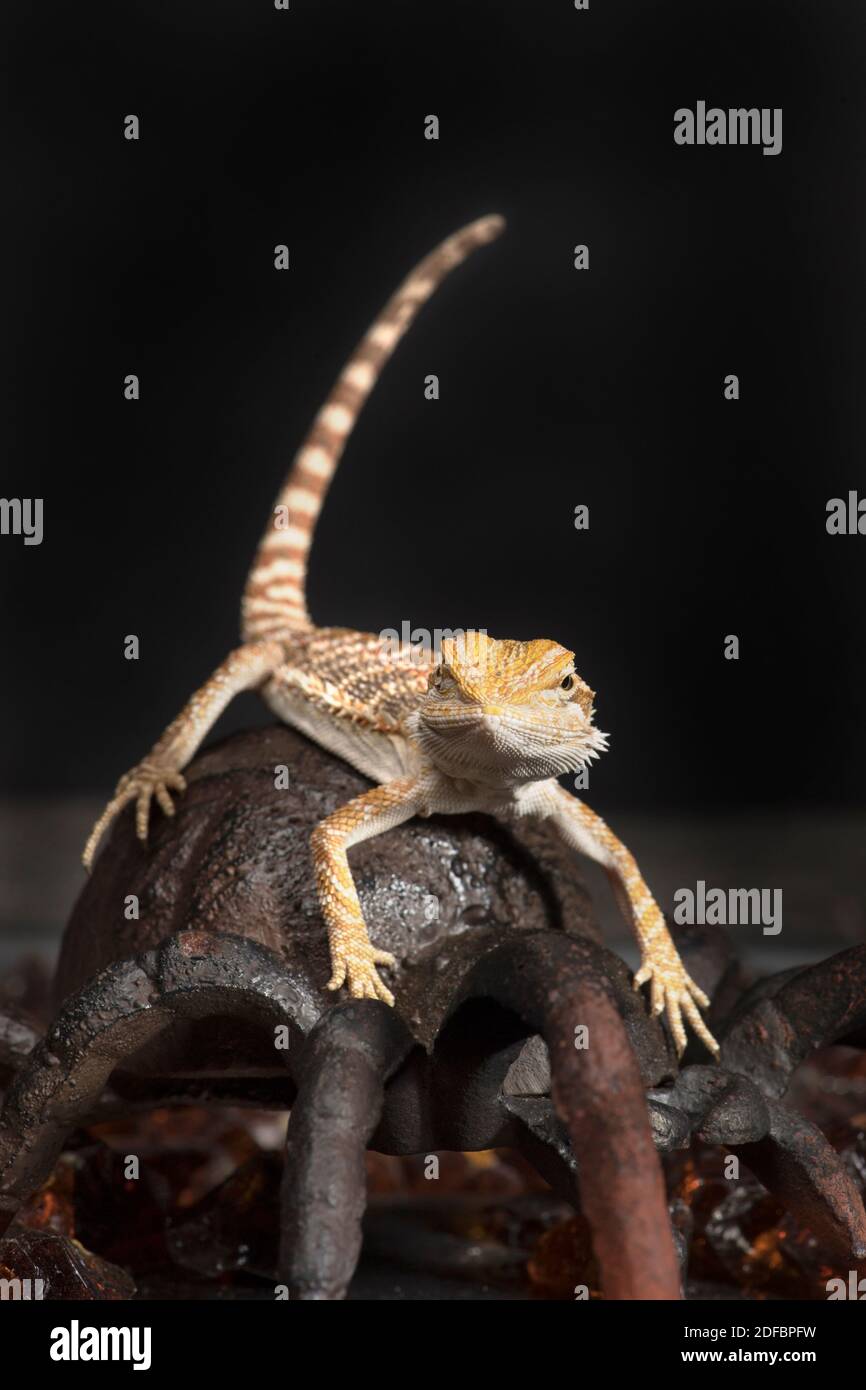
(517, 743)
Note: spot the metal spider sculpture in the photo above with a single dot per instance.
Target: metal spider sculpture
(185, 964)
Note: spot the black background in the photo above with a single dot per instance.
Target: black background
(557, 387)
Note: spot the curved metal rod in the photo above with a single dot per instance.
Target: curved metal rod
(571, 991)
(341, 1078)
(818, 1005)
(797, 1164)
(191, 975)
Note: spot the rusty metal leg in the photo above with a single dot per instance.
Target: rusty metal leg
(192, 975)
(787, 1018)
(798, 1165)
(563, 986)
(341, 1079)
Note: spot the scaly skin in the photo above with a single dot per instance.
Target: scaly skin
(487, 726)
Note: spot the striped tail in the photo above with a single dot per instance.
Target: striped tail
(274, 601)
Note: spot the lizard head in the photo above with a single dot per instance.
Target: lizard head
(511, 710)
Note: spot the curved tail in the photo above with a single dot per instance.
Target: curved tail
(275, 599)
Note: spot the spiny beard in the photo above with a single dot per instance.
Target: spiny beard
(526, 755)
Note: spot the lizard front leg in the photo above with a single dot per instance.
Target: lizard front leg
(160, 772)
(353, 956)
(672, 990)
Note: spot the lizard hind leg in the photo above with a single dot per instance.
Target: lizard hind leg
(159, 773)
(140, 785)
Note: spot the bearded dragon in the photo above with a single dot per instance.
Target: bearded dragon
(482, 725)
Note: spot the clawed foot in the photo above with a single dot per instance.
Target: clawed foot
(144, 782)
(354, 964)
(674, 993)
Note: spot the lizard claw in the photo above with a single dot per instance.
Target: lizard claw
(673, 992)
(141, 784)
(355, 966)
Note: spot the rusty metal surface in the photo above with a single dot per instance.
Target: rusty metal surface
(194, 975)
(781, 1022)
(343, 1069)
(559, 986)
(235, 859)
(479, 1052)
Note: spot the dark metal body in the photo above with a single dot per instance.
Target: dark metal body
(500, 962)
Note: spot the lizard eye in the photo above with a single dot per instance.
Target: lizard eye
(567, 683)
